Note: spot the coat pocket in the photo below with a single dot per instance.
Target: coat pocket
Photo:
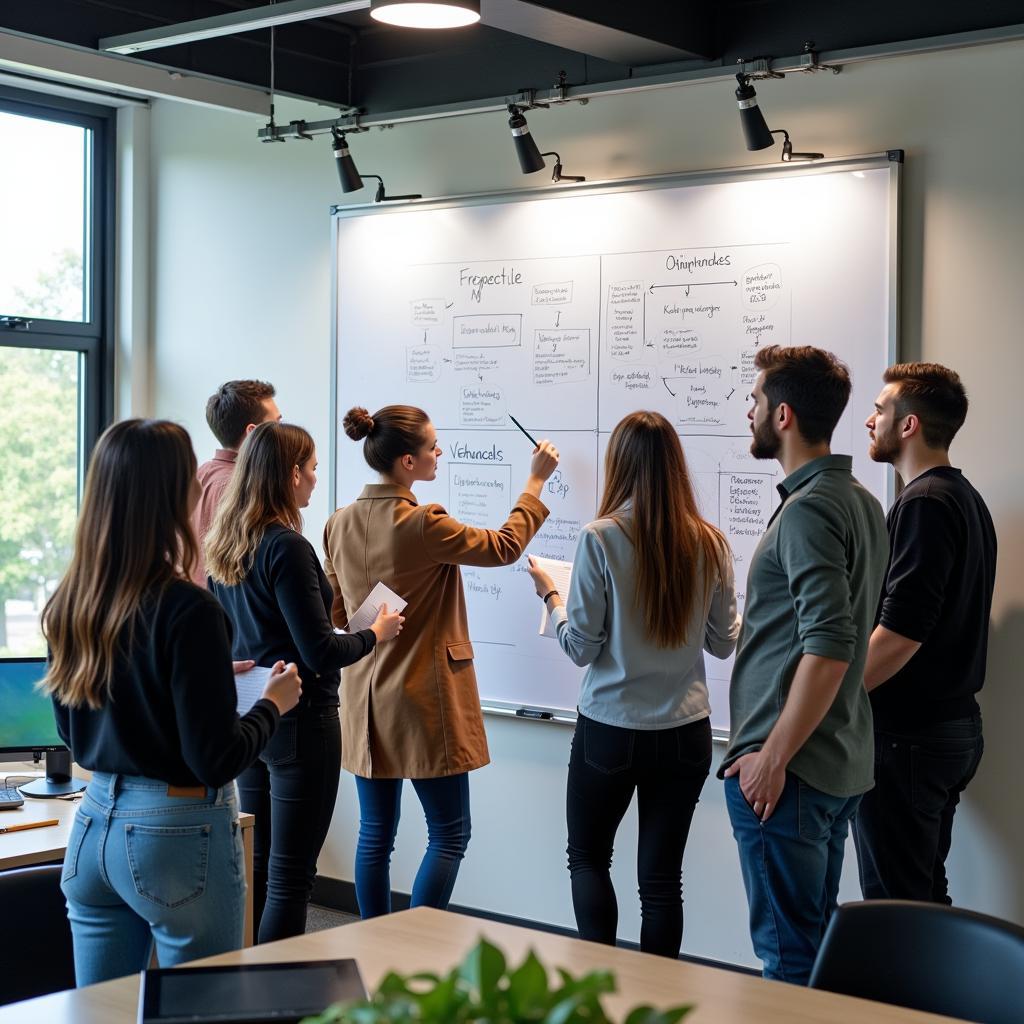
(462, 651)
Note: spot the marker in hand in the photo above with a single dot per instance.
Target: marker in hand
(532, 440)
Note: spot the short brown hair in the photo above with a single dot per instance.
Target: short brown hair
(233, 406)
(934, 394)
(390, 433)
(812, 382)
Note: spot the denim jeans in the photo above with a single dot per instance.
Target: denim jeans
(291, 788)
(445, 803)
(666, 768)
(144, 867)
(791, 865)
(904, 826)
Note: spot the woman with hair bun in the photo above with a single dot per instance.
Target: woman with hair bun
(413, 711)
(268, 578)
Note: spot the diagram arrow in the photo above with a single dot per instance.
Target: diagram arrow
(449, 305)
(558, 318)
(424, 337)
(728, 396)
(664, 380)
(692, 284)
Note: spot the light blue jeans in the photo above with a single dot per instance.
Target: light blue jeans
(144, 867)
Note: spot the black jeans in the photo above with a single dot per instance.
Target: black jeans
(667, 769)
(904, 826)
(291, 789)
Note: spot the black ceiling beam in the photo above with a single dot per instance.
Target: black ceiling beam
(633, 34)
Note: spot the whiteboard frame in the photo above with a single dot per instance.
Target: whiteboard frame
(892, 159)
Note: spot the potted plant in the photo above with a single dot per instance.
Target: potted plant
(484, 988)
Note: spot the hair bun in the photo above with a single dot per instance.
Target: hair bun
(357, 423)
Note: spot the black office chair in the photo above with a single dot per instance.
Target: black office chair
(35, 937)
(926, 957)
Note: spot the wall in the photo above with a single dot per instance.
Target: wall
(240, 287)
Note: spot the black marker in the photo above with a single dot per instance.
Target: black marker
(523, 429)
(544, 716)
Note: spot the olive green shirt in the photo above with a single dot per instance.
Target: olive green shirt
(813, 588)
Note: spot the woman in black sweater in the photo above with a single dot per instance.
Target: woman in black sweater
(269, 580)
(141, 679)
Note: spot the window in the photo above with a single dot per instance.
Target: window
(56, 346)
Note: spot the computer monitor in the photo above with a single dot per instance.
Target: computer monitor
(28, 729)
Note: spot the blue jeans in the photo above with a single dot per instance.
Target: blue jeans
(291, 788)
(445, 803)
(904, 826)
(791, 865)
(144, 867)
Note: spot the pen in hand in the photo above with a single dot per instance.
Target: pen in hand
(29, 824)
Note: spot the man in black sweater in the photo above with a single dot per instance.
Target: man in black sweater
(926, 657)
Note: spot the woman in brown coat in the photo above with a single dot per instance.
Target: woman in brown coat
(411, 710)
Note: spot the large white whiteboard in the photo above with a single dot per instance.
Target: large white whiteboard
(569, 309)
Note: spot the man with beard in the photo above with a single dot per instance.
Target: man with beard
(926, 657)
(800, 754)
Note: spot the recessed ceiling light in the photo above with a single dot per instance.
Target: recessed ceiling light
(423, 14)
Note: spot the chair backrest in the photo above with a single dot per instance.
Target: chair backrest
(35, 937)
(927, 957)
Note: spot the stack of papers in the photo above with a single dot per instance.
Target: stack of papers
(561, 574)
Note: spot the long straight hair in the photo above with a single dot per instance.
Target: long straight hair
(260, 492)
(648, 492)
(132, 539)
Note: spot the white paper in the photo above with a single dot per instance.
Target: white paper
(250, 686)
(366, 613)
(561, 575)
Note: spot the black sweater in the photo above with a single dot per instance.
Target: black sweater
(281, 611)
(938, 590)
(171, 711)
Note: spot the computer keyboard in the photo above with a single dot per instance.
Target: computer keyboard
(10, 798)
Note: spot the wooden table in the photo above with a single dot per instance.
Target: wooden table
(434, 940)
(45, 845)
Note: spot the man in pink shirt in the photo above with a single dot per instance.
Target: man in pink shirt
(233, 411)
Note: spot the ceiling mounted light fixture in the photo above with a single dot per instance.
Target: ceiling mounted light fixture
(347, 173)
(530, 159)
(426, 13)
(755, 129)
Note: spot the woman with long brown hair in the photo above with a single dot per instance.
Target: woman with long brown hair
(652, 588)
(141, 679)
(269, 580)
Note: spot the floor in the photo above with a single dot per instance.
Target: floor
(319, 918)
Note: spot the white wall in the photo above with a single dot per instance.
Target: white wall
(240, 268)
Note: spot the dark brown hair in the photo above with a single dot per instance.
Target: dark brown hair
(133, 538)
(649, 493)
(390, 433)
(259, 493)
(934, 394)
(233, 406)
(811, 381)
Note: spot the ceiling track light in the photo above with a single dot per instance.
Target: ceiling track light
(756, 134)
(787, 148)
(428, 14)
(348, 175)
(530, 159)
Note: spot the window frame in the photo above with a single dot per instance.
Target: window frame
(93, 338)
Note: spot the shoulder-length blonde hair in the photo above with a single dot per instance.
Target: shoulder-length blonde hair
(133, 538)
(649, 493)
(260, 492)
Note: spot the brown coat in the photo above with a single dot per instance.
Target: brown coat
(410, 709)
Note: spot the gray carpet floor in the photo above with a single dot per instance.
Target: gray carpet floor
(319, 918)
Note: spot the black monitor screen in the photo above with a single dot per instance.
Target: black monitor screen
(26, 715)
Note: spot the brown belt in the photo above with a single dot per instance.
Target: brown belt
(186, 791)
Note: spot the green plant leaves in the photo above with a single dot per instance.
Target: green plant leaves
(482, 988)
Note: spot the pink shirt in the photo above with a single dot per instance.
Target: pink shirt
(213, 477)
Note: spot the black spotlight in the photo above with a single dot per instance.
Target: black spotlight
(755, 130)
(347, 173)
(530, 159)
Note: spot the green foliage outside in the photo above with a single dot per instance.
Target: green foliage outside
(484, 988)
(39, 436)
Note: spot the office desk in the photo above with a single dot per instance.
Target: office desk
(434, 940)
(44, 845)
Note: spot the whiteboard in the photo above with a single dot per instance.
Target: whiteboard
(571, 307)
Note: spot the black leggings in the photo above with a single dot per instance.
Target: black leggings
(291, 788)
(667, 768)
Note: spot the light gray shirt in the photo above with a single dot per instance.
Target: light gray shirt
(630, 682)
